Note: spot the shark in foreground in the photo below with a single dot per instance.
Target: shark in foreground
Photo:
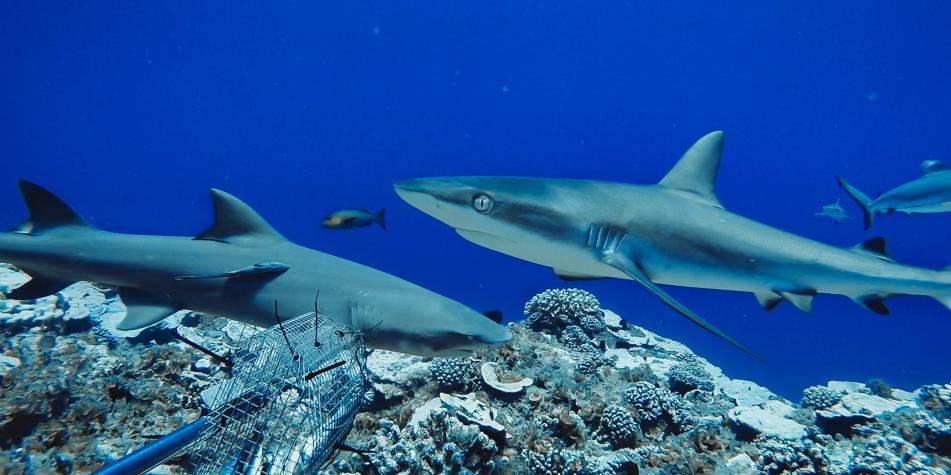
(675, 232)
(238, 269)
(931, 193)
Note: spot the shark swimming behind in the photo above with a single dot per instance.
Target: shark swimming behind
(930, 193)
(240, 268)
(675, 232)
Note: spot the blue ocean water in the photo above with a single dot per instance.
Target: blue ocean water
(131, 111)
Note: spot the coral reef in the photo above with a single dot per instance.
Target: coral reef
(576, 391)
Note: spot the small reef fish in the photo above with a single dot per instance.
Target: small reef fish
(240, 268)
(931, 193)
(675, 232)
(834, 211)
(354, 218)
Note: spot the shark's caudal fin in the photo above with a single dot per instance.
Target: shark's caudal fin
(696, 171)
(236, 221)
(860, 199)
(47, 211)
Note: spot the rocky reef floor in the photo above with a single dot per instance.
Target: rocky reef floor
(577, 391)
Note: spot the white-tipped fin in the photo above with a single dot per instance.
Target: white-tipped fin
(696, 171)
(768, 299)
(801, 299)
(235, 220)
(931, 166)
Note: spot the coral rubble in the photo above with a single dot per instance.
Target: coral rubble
(576, 391)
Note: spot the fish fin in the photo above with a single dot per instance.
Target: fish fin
(696, 171)
(235, 220)
(944, 300)
(380, 217)
(801, 299)
(768, 299)
(860, 199)
(142, 309)
(874, 247)
(931, 166)
(37, 287)
(874, 303)
(259, 269)
(494, 315)
(47, 211)
(629, 267)
(570, 276)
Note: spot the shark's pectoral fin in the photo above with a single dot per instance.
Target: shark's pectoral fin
(142, 309)
(801, 299)
(235, 220)
(874, 303)
(261, 269)
(634, 271)
(38, 287)
(768, 299)
(570, 276)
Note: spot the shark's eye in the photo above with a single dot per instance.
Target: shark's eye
(483, 203)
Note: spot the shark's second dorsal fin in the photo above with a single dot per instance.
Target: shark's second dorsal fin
(696, 171)
(47, 211)
(874, 247)
(931, 166)
(236, 220)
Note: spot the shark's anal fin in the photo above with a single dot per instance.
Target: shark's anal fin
(38, 287)
(874, 303)
(696, 171)
(569, 276)
(142, 309)
(629, 267)
(260, 269)
(235, 220)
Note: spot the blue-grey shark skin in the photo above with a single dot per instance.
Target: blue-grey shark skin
(237, 269)
(675, 232)
(931, 193)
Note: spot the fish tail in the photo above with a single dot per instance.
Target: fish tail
(860, 199)
(380, 217)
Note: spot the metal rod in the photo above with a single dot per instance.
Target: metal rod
(152, 455)
(226, 361)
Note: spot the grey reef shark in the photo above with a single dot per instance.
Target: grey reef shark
(834, 211)
(930, 193)
(241, 269)
(675, 232)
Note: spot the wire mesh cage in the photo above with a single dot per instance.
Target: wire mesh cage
(293, 394)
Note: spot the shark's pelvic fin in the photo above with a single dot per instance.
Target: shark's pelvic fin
(142, 309)
(768, 299)
(860, 199)
(874, 247)
(235, 221)
(570, 276)
(696, 171)
(931, 166)
(801, 299)
(626, 265)
(38, 287)
(259, 269)
(47, 211)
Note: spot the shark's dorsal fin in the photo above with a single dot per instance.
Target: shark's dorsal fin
(875, 247)
(931, 166)
(236, 220)
(696, 171)
(47, 211)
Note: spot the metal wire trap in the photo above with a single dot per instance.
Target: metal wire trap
(292, 397)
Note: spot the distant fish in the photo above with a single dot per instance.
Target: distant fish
(834, 212)
(931, 193)
(353, 218)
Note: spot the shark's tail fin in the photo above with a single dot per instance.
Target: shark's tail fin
(380, 217)
(860, 199)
